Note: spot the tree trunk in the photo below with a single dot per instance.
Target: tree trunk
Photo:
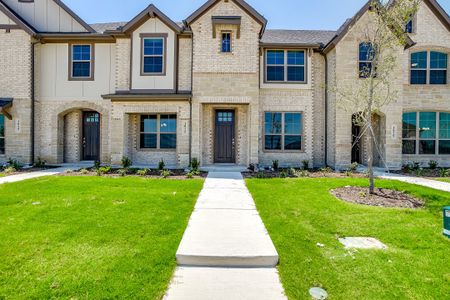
(370, 156)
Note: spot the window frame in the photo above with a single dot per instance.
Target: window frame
(364, 61)
(221, 41)
(286, 66)
(283, 134)
(91, 62)
(428, 68)
(162, 36)
(417, 137)
(158, 132)
(3, 137)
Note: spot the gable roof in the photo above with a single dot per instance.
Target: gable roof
(241, 3)
(74, 15)
(150, 12)
(440, 13)
(349, 23)
(315, 38)
(17, 19)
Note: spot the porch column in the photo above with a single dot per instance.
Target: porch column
(119, 137)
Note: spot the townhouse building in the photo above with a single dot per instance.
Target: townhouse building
(218, 86)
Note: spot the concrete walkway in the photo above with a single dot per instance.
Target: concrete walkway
(226, 252)
(49, 172)
(434, 184)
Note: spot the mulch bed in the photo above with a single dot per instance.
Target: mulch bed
(174, 174)
(381, 198)
(309, 174)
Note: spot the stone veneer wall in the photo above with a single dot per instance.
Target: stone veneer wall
(73, 125)
(15, 82)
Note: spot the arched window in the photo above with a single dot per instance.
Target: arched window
(429, 67)
(366, 57)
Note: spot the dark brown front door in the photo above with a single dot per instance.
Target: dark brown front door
(224, 137)
(91, 136)
(356, 143)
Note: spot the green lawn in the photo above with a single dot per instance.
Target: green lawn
(299, 213)
(91, 237)
(2, 175)
(444, 179)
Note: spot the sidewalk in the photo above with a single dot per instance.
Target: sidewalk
(48, 172)
(434, 184)
(226, 252)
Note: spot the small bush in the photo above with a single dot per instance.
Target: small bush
(261, 175)
(419, 172)
(291, 172)
(10, 170)
(252, 167)
(284, 174)
(305, 164)
(444, 172)
(161, 165)
(103, 170)
(407, 168)
(415, 165)
(433, 164)
(302, 173)
(126, 162)
(195, 164)
(275, 165)
(39, 163)
(14, 163)
(97, 164)
(353, 167)
(348, 173)
(122, 172)
(84, 171)
(189, 175)
(165, 173)
(143, 172)
(326, 170)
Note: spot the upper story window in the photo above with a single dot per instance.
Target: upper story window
(366, 57)
(409, 28)
(153, 55)
(283, 131)
(81, 62)
(2, 134)
(158, 132)
(429, 67)
(426, 133)
(285, 66)
(226, 42)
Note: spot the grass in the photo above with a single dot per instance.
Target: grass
(444, 179)
(91, 237)
(299, 213)
(2, 175)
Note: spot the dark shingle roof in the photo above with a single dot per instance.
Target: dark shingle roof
(300, 37)
(102, 27)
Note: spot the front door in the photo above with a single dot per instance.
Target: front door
(91, 136)
(356, 143)
(224, 136)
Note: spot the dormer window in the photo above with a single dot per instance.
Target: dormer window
(81, 58)
(153, 55)
(226, 42)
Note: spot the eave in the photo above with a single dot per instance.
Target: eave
(148, 97)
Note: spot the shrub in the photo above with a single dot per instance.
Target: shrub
(195, 164)
(161, 165)
(143, 172)
(407, 168)
(326, 170)
(84, 171)
(348, 173)
(190, 175)
(275, 165)
(302, 173)
(165, 173)
(126, 162)
(433, 164)
(10, 170)
(103, 170)
(420, 172)
(353, 167)
(122, 172)
(14, 163)
(444, 172)
(283, 174)
(415, 165)
(39, 163)
(291, 172)
(252, 167)
(261, 175)
(305, 164)
(97, 164)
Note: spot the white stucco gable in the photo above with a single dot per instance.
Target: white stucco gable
(48, 16)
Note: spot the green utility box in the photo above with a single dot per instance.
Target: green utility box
(447, 221)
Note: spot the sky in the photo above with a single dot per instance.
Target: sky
(281, 14)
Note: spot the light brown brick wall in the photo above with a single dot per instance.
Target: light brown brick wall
(185, 64)
(123, 56)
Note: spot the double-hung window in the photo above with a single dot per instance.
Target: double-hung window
(2, 134)
(81, 62)
(153, 55)
(283, 131)
(409, 28)
(366, 57)
(226, 42)
(285, 66)
(429, 67)
(158, 131)
(426, 133)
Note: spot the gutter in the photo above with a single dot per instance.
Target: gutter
(190, 100)
(33, 100)
(326, 108)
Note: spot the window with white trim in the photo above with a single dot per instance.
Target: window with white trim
(285, 66)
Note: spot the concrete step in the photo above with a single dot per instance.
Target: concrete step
(198, 283)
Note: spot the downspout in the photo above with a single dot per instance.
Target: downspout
(190, 99)
(326, 108)
(33, 96)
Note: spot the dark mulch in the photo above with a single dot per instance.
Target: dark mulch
(381, 198)
(152, 173)
(308, 174)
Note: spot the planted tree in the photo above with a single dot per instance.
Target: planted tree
(385, 38)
